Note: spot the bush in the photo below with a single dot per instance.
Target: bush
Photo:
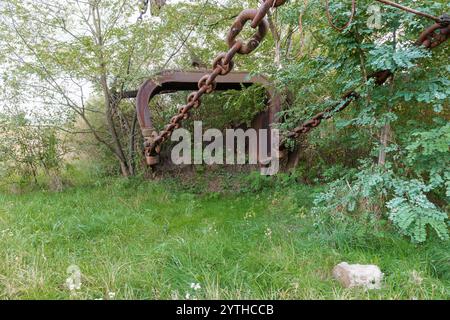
(29, 151)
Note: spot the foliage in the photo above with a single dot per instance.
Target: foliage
(409, 187)
(144, 240)
(408, 207)
(27, 150)
(386, 156)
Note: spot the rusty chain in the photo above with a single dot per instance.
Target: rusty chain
(318, 118)
(222, 65)
(407, 9)
(431, 38)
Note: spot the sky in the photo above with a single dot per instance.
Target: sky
(35, 107)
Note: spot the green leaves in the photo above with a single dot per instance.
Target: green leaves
(413, 217)
(27, 149)
(386, 58)
(429, 143)
(408, 207)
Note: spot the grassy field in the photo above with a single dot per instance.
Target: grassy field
(148, 240)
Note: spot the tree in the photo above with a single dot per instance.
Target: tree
(27, 149)
(56, 51)
(373, 153)
(386, 124)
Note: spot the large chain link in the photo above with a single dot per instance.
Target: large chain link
(437, 34)
(222, 65)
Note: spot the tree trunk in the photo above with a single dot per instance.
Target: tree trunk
(108, 98)
(384, 140)
(124, 169)
(132, 145)
(386, 130)
(277, 40)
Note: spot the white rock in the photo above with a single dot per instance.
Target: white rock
(357, 275)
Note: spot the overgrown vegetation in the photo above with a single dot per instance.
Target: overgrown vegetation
(399, 132)
(372, 183)
(28, 151)
(151, 240)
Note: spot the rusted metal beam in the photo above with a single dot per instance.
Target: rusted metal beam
(172, 81)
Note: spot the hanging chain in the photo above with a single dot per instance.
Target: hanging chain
(222, 65)
(328, 113)
(386, 2)
(431, 38)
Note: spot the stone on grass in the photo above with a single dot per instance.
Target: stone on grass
(357, 275)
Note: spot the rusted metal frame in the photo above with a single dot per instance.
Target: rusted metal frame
(222, 66)
(171, 81)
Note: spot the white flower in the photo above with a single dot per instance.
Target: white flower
(249, 215)
(195, 286)
(188, 296)
(111, 295)
(174, 295)
(416, 278)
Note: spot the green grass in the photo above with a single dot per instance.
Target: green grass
(149, 240)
